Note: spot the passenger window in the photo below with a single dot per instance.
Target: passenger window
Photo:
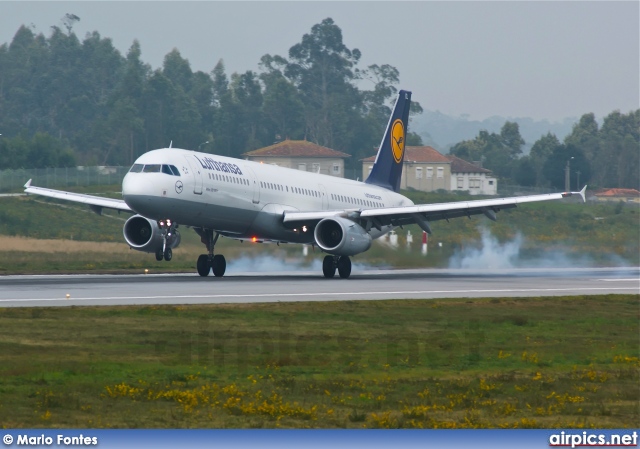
(154, 168)
(136, 168)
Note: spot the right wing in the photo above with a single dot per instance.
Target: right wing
(421, 214)
(96, 203)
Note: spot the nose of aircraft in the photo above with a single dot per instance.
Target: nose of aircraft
(136, 192)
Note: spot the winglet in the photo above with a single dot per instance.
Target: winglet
(28, 184)
(582, 193)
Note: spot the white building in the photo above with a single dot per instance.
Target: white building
(467, 176)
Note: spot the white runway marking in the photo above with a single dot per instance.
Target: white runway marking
(620, 280)
(323, 294)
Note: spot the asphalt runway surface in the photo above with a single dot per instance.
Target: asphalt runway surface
(242, 288)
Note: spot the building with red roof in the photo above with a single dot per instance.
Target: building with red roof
(626, 195)
(424, 169)
(301, 155)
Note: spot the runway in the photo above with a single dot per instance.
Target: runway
(242, 288)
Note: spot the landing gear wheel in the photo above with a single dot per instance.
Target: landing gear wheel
(203, 265)
(344, 267)
(218, 265)
(329, 266)
(168, 254)
(159, 255)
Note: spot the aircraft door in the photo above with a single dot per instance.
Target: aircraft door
(197, 174)
(256, 185)
(325, 199)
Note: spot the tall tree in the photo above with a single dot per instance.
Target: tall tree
(619, 148)
(283, 109)
(540, 152)
(247, 94)
(321, 67)
(510, 134)
(585, 135)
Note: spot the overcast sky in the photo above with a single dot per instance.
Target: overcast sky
(515, 59)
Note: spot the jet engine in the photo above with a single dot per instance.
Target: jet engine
(145, 235)
(341, 237)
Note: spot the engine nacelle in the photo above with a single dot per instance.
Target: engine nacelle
(341, 237)
(145, 235)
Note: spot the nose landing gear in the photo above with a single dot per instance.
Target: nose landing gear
(168, 229)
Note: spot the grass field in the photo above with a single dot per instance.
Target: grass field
(455, 363)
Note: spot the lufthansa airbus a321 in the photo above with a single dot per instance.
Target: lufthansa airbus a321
(243, 200)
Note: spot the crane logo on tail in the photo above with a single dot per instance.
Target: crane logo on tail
(397, 140)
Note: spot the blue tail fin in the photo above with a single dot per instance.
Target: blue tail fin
(387, 169)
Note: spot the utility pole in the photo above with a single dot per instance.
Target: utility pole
(567, 175)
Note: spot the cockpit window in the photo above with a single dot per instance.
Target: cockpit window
(167, 169)
(153, 168)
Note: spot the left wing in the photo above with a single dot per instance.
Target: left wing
(421, 214)
(96, 203)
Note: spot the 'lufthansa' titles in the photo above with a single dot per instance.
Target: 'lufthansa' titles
(211, 164)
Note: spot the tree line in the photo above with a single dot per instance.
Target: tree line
(606, 156)
(67, 102)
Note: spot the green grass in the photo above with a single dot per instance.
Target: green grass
(531, 362)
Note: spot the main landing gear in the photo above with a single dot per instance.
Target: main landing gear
(209, 262)
(342, 263)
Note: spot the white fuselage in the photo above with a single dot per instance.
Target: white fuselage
(239, 198)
